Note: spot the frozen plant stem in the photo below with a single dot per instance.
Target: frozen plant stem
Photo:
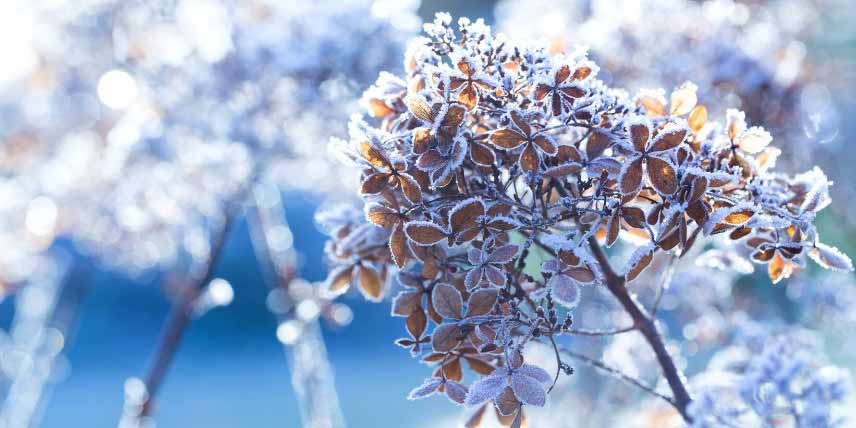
(179, 319)
(617, 286)
(617, 373)
(311, 372)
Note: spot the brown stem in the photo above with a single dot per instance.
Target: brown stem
(616, 285)
(178, 320)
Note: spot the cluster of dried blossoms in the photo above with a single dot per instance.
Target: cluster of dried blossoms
(488, 152)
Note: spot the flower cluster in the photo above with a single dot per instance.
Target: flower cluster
(776, 380)
(494, 176)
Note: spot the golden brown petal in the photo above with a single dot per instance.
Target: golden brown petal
(639, 134)
(631, 177)
(529, 158)
(662, 175)
(668, 140)
(374, 184)
(469, 96)
(373, 155)
(507, 139)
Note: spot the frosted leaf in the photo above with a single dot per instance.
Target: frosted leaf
(487, 388)
(735, 216)
(427, 388)
(473, 278)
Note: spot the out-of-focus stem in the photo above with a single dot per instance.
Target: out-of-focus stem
(311, 373)
(38, 334)
(180, 316)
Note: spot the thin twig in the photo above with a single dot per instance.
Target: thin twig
(179, 318)
(618, 374)
(584, 332)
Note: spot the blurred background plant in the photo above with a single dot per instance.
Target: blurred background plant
(144, 141)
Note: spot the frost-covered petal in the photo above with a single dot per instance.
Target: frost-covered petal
(474, 277)
(528, 390)
(427, 388)
(564, 290)
(456, 392)
(535, 372)
(503, 254)
(495, 275)
(486, 389)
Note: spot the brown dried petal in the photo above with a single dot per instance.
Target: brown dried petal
(631, 177)
(597, 143)
(374, 184)
(373, 155)
(424, 233)
(546, 144)
(406, 302)
(469, 96)
(481, 302)
(529, 158)
(410, 188)
(463, 217)
(639, 265)
(507, 139)
(416, 323)
(481, 154)
(370, 283)
(639, 134)
(668, 140)
(697, 119)
(562, 74)
(445, 337)
(662, 175)
(420, 108)
(398, 246)
(447, 301)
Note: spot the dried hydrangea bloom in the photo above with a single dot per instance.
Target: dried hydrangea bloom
(139, 129)
(487, 152)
